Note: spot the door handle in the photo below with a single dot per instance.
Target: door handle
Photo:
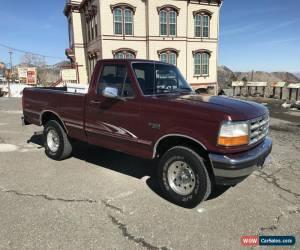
(94, 102)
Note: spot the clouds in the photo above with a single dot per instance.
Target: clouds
(238, 29)
(278, 26)
(280, 42)
(258, 28)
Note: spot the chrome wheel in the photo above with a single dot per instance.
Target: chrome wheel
(53, 140)
(181, 178)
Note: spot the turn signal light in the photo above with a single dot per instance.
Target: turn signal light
(233, 141)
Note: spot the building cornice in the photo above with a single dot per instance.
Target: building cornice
(210, 2)
(70, 7)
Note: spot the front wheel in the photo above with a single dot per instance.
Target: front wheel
(56, 142)
(183, 177)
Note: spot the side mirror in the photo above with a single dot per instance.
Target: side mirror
(111, 92)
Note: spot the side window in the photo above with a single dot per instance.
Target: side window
(115, 76)
(145, 75)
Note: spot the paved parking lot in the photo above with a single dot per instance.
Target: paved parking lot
(100, 199)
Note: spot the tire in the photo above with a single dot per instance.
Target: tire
(183, 177)
(56, 142)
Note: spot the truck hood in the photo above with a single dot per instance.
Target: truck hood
(213, 108)
(235, 109)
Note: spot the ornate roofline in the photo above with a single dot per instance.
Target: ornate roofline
(218, 2)
(70, 7)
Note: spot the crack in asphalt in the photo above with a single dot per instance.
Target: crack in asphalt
(271, 179)
(283, 198)
(277, 219)
(139, 240)
(272, 227)
(108, 205)
(49, 198)
(114, 220)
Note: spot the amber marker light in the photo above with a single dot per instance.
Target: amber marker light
(234, 134)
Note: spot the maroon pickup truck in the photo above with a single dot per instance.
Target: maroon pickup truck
(148, 110)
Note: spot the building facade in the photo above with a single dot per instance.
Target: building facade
(182, 32)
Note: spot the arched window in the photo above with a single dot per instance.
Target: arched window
(163, 23)
(173, 23)
(164, 57)
(168, 20)
(201, 62)
(118, 22)
(128, 22)
(123, 19)
(119, 55)
(124, 53)
(168, 56)
(202, 23)
(173, 58)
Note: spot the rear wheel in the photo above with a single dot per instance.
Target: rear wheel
(56, 142)
(183, 177)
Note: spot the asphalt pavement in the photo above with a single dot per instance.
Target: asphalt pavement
(101, 199)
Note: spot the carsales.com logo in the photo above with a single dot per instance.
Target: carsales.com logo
(268, 240)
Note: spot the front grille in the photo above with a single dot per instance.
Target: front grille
(259, 128)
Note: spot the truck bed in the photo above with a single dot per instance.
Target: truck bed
(68, 105)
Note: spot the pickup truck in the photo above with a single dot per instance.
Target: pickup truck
(147, 109)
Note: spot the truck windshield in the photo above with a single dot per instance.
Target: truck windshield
(160, 78)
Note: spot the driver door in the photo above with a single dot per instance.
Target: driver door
(114, 122)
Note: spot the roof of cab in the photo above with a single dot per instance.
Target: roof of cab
(132, 60)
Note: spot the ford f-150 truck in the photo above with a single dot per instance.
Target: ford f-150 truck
(148, 110)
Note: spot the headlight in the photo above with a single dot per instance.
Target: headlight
(234, 134)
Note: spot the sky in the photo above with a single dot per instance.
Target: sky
(254, 35)
(260, 35)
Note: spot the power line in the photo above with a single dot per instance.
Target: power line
(29, 52)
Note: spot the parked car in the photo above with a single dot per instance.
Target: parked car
(148, 110)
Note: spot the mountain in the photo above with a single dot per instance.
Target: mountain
(297, 74)
(226, 76)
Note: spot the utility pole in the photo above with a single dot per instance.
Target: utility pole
(10, 52)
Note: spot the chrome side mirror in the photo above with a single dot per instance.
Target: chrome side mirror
(110, 92)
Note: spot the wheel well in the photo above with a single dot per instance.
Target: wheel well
(48, 116)
(172, 141)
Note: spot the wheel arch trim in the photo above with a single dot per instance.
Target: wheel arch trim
(57, 115)
(175, 135)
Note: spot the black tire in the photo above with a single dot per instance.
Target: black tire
(64, 148)
(201, 186)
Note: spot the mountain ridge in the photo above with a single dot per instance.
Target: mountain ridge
(226, 76)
